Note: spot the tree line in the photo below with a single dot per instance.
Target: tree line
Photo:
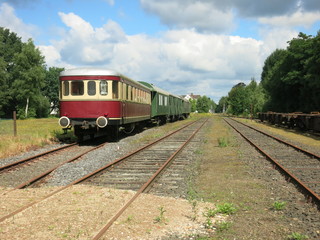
(26, 84)
(290, 82)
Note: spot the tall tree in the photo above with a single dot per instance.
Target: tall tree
(29, 75)
(256, 97)
(51, 87)
(238, 100)
(204, 104)
(270, 76)
(10, 44)
(291, 77)
(222, 105)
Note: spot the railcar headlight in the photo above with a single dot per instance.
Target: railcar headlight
(102, 122)
(64, 122)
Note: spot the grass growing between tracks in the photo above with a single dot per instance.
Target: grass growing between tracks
(225, 179)
(31, 133)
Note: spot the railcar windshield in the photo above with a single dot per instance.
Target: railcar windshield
(103, 87)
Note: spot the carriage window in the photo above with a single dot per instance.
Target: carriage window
(91, 88)
(166, 101)
(66, 88)
(160, 100)
(103, 87)
(115, 91)
(77, 88)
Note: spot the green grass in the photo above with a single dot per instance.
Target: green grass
(223, 142)
(31, 133)
(279, 205)
(297, 236)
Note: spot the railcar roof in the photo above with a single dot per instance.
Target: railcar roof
(89, 71)
(155, 88)
(97, 72)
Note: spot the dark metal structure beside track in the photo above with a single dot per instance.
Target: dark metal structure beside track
(292, 120)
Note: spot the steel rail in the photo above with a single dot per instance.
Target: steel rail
(30, 181)
(90, 174)
(145, 185)
(35, 156)
(314, 197)
(280, 140)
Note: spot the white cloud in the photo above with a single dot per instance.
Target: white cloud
(86, 45)
(201, 15)
(110, 2)
(9, 20)
(298, 18)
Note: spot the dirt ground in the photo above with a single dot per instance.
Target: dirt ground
(232, 174)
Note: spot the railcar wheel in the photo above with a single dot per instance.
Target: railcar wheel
(129, 128)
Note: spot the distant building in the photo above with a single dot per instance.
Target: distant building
(191, 96)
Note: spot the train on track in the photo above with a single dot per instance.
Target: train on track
(300, 120)
(101, 102)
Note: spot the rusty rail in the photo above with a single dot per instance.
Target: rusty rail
(35, 156)
(314, 197)
(150, 180)
(280, 140)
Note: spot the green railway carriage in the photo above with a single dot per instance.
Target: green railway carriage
(165, 106)
(159, 102)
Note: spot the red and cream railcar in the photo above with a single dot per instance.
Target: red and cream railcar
(95, 101)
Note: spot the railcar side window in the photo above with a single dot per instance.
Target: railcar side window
(160, 100)
(115, 91)
(91, 88)
(103, 87)
(66, 88)
(77, 88)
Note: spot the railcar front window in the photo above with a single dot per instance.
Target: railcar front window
(91, 88)
(77, 88)
(103, 88)
(66, 88)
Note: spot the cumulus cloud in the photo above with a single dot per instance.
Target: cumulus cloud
(84, 45)
(201, 15)
(218, 16)
(185, 61)
(298, 18)
(9, 20)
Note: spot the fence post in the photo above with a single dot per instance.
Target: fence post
(14, 123)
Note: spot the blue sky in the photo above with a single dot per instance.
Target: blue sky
(183, 46)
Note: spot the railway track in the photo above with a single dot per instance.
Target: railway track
(188, 136)
(134, 171)
(298, 165)
(24, 172)
(153, 160)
